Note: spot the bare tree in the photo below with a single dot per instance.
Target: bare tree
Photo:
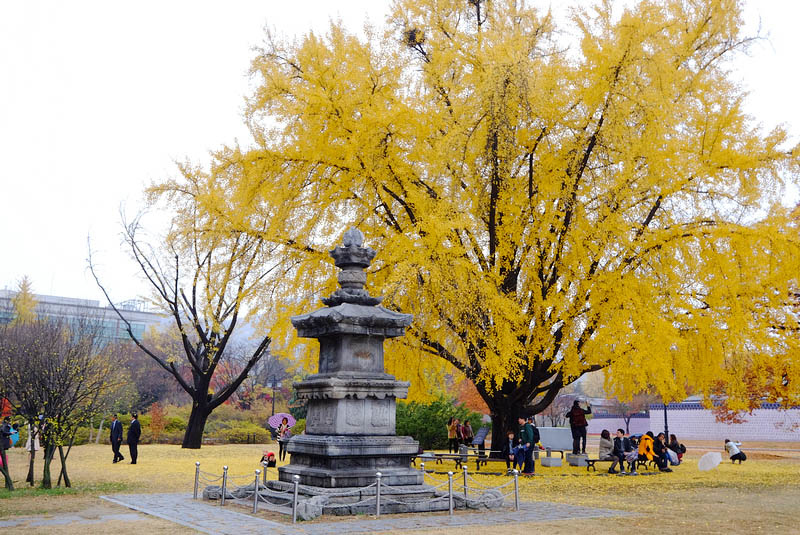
(555, 413)
(203, 280)
(628, 409)
(262, 380)
(56, 377)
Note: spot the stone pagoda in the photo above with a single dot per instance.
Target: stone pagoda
(350, 427)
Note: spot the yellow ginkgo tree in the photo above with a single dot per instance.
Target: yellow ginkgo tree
(24, 302)
(545, 207)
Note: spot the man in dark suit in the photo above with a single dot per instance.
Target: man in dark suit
(134, 432)
(116, 438)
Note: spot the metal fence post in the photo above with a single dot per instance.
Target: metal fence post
(224, 485)
(465, 482)
(450, 491)
(296, 480)
(196, 478)
(255, 492)
(264, 464)
(378, 494)
(516, 490)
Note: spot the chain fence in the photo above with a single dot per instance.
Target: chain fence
(458, 493)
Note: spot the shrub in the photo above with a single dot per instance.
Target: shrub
(300, 427)
(243, 433)
(427, 422)
(175, 424)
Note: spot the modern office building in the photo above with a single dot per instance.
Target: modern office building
(72, 309)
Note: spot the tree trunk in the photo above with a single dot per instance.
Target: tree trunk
(29, 479)
(507, 403)
(504, 419)
(4, 469)
(193, 438)
(99, 431)
(64, 459)
(63, 467)
(47, 482)
(91, 429)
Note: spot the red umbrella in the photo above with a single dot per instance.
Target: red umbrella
(276, 419)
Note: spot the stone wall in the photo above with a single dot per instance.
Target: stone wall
(692, 421)
(612, 423)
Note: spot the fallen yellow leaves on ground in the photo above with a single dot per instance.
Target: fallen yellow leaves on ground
(169, 468)
(757, 496)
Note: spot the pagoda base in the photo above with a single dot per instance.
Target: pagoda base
(345, 461)
(315, 501)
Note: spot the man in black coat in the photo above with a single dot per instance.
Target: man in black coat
(116, 438)
(622, 444)
(134, 432)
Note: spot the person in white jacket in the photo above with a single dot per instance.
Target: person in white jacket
(734, 452)
(35, 442)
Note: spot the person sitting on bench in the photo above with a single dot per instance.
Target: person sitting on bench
(508, 451)
(660, 453)
(623, 448)
(606, 452)
(646, 452)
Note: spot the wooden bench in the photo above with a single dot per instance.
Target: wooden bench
(484, 461)
(590, 463)
(460, 459)
(646, 464)
(639, 463)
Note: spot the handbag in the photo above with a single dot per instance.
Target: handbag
(673, 458)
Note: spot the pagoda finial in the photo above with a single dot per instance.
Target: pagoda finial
(352, 258)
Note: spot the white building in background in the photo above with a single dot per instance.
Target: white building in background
(689, 419)
(69, 308)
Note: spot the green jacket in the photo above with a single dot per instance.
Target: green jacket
(525, 433)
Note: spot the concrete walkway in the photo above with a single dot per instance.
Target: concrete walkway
(213, 519)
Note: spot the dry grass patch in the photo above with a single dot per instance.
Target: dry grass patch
(160, 468)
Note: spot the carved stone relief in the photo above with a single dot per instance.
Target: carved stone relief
(380, 414)
(354, 412)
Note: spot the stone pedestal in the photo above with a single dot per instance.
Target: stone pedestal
(576, 460)
(550, 461)
(351, 461)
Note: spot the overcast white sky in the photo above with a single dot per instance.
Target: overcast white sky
(99, 98)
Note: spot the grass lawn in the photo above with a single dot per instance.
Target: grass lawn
(759, 496)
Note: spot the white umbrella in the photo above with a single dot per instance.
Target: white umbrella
(709, 461)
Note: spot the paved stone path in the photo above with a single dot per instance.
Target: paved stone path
(213, 519)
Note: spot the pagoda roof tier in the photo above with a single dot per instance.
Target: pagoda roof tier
(349, 318)
(336, 387)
